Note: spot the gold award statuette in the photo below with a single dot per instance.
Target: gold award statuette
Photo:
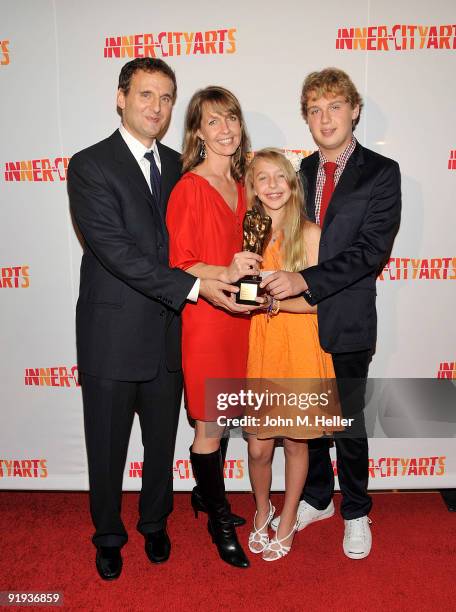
(256, 227)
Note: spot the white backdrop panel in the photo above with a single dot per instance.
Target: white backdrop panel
(58, 96)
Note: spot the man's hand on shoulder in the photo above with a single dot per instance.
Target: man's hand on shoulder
(283, 284)
(214, 291)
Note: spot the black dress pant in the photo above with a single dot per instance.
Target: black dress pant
(351, 446)
(109, 408)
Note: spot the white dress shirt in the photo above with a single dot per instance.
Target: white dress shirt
(138, 150)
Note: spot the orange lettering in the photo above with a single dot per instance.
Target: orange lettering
(188, 36)
(26, 171)
(4, 47)
(25, 277)
(232, 40)
(45, 377)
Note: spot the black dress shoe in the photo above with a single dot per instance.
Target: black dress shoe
(109, 562)
(157, 546)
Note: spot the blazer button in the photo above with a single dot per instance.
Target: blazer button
(159, 246)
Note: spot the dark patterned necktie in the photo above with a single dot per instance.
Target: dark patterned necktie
(155, 177)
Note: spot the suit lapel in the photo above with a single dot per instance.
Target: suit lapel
(130, 167)
(309, 169)
(134, 176)
(167, 175)
(170, 172)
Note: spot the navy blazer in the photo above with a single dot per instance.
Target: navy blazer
(127, 316)
(357, 236)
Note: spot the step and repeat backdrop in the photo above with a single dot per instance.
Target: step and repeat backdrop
(59, 65)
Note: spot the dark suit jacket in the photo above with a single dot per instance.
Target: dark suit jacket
(127, 316)
(357, 235)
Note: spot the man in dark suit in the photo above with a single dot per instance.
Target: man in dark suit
(127, 318)
(354, 195)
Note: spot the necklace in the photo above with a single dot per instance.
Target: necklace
(275, 236)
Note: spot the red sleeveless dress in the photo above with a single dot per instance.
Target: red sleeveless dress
(203, 228)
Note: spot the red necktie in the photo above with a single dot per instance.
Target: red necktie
(330, 169)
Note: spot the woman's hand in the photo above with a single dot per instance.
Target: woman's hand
(243, 264)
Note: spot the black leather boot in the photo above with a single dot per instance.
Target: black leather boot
(208, 472)
(197, 500)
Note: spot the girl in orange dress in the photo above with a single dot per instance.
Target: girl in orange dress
(204, 218)
(282, 344)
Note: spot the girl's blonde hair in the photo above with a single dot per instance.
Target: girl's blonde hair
(222, 100)
(293, 246)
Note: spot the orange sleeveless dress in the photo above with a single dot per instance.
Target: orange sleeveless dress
(286, 346)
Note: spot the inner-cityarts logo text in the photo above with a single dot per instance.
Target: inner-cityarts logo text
(385, 467)
(4, 53)
(447, 369)
(37, 170)
(169, 44)
(182, 469)
(58, 376)
(23, 468)
(398, 37)
(406, 466)
(15, 277)
(452, 160)
(407, 268)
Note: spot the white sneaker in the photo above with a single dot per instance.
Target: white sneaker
(357, 538)
(307, 514)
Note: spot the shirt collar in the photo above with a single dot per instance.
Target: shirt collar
(136, 147)
(341, 159)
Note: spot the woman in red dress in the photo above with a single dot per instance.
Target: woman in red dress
(205, 217)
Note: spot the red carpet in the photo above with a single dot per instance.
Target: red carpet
(45, 545)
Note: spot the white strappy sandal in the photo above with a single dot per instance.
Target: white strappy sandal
(257, 536)
(280, 550)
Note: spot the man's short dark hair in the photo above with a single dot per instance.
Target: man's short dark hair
(148, 64)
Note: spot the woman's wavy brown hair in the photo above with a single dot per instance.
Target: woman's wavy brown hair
(222, 101)
(293, 246)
